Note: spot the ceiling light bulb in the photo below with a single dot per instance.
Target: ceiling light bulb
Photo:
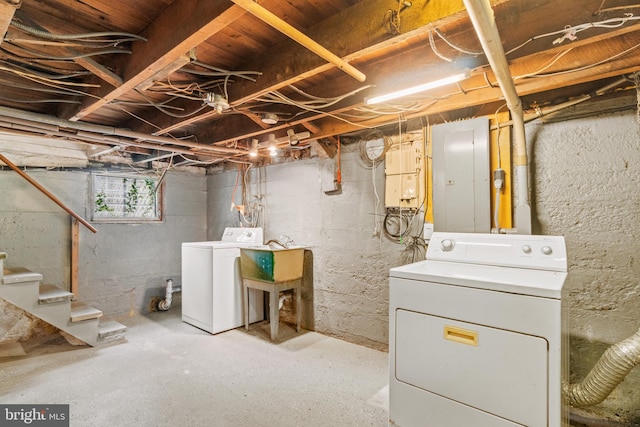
(253, 151)
(269, 118)
(273, 150)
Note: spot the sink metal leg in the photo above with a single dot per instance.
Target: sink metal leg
(298, 291)
(245, 305)
(274, 310)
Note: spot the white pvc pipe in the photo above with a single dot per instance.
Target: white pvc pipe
(165, 304)
(484, 24)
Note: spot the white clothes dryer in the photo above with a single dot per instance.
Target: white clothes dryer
(475, 333)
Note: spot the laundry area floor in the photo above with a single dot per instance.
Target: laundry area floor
(168, 373)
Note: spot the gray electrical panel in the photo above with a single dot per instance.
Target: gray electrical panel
(461, 176)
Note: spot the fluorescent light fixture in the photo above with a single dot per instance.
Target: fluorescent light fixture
(416, 89)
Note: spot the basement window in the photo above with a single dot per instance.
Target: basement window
(125, 198)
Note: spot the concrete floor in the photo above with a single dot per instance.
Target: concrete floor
(168, 373)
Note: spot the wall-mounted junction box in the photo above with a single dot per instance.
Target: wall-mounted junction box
(404, 169)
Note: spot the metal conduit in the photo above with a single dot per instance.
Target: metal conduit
(108, 130)
(484, 24)
(620, 358)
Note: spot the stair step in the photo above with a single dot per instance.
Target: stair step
(80, 312)
(111, 328)
(19, 275)
(51, 293)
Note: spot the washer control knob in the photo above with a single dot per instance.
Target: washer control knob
(447, 245)
(547, 250)
(526, 249)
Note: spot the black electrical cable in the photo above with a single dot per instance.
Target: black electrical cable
(395, 225)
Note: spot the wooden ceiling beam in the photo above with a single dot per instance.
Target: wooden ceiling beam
(488, 95)
(99, 70)
(7, 10)
(354, 34)
(191, 23)
(475, 90)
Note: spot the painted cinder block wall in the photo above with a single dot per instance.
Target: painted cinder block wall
(586, 187)
(346, 293)
(122, 265)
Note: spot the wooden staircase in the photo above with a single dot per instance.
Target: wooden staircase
(23, 288)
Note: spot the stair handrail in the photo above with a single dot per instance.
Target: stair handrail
(46, 193)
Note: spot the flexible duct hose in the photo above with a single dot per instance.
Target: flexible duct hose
(611, 369)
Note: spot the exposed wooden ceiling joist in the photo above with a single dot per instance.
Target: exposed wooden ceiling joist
(191, 23)
(349, 34)
(573, 47)
(7, 10)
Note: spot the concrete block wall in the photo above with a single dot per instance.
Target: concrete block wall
(122, 265)
(34, 231)
(585, 186)
(585, 178)
(349, 296)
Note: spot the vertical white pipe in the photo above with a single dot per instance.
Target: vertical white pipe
(165, 304)
(484, 24)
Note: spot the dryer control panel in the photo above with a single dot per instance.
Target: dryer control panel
(504, 250)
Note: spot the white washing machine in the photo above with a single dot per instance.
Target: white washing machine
(212, 282)
(475, 333)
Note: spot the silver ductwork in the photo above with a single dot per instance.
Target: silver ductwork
(611, 369)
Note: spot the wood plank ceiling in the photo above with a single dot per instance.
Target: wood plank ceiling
(193, 81)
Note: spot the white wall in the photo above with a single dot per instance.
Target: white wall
(122, 265)
(586, 180)
(586, 186)
(346, 293)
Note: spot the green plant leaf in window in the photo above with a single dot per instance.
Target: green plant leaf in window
(101, 203)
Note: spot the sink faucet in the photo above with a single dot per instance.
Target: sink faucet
(288, 241)
(284, 241)
(276, 242)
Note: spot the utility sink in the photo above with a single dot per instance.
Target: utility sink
(267, 264)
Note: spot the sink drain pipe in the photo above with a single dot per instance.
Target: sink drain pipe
(165, 304)
(608, 372)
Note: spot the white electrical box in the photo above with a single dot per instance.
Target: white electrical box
(427, 231)
(404, 170)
